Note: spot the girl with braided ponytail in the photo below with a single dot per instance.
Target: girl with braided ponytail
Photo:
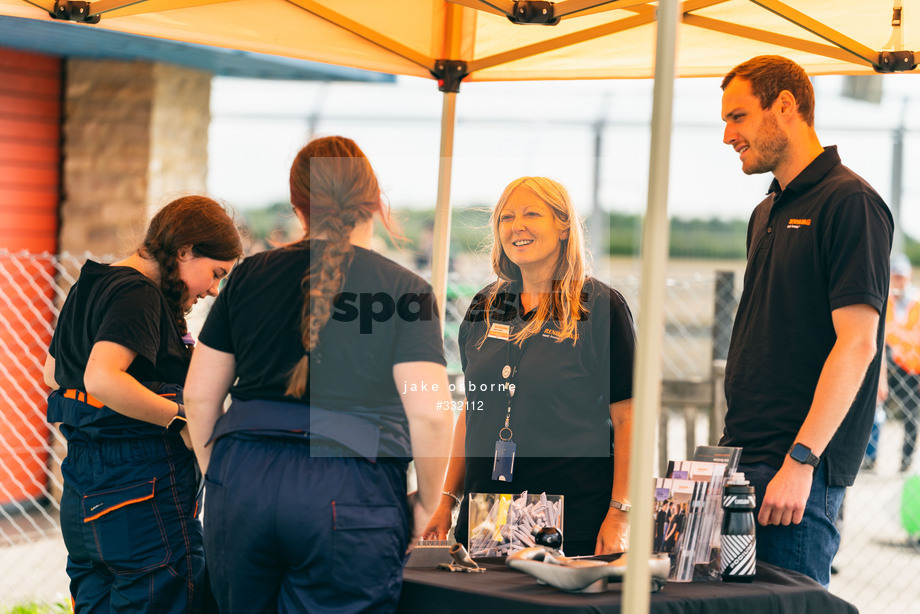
(334, 360)
(116, 364)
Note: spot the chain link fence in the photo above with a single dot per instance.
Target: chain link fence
(32, 554)
(877, 562)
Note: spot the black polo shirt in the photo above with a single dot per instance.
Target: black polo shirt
(257, 319)
(821, 244)
(560, 415)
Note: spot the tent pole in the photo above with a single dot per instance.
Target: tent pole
(647, 378)
(441, 244)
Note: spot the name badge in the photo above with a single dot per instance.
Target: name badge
(503, 467)
(500, 331)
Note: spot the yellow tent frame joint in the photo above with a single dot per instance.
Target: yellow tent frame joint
(449, 74)
(529, 12)
(74, 10)
(895, 61)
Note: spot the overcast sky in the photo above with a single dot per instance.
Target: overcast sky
(506, 130)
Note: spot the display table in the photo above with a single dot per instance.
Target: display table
(501, 590)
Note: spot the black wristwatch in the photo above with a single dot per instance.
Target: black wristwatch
(803, 454)
(178, 421)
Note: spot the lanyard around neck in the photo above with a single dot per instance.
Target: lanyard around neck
(509, 373)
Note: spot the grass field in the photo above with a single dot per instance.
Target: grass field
(38, 608)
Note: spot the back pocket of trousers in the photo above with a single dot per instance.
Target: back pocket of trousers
(367, 546)
(126, 528)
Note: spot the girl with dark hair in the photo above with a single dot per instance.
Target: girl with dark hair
(117, 360)
(334, 359)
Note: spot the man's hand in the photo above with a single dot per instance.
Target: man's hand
(786, 495)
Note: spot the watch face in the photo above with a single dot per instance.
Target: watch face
(803, 454)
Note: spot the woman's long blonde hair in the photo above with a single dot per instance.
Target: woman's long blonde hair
(564, 302)
(334, 187)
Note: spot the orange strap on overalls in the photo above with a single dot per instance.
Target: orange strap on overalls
(83, 397)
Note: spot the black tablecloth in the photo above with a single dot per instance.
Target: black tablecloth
(503, 591)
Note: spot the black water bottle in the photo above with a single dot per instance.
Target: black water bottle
(739, 544)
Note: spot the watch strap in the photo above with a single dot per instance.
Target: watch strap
(619, 505)
(178, 422)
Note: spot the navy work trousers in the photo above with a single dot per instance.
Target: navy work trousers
(290, 528)
(129, 519)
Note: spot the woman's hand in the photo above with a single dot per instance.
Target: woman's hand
(613, 537)
(419, 520)
(430, 432)
(441, 521)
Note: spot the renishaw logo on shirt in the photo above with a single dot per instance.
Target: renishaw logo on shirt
(551, 333)
(798, 223)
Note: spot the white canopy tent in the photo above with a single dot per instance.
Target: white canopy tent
(478, 40)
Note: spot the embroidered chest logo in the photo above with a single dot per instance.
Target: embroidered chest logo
(798, 223)
(551, 333)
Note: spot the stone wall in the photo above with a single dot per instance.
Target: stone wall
(135, 136)
(178, 134)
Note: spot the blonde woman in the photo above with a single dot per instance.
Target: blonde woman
(305, 479)
(547, 354)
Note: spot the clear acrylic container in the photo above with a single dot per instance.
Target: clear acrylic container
(500, 524)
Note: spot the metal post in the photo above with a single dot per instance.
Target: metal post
(598, 223)
(723, 314)
(723, 318)
(598, 229)
(441, 241)
(897, 168)
(647, 381)
(719, 404)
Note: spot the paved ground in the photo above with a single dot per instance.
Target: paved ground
(32, 559)
(878, 563)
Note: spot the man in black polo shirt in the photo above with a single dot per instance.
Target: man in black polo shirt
(803, 364)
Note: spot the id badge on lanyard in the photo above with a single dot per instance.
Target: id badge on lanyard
(503, 466)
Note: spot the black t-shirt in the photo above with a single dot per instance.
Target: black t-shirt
(121, 305)
(560, 416)
(821, 244)
(384, 315)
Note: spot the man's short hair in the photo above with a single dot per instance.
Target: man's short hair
(771, 74)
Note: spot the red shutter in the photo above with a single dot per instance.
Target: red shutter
(30, 150)
(30, 161)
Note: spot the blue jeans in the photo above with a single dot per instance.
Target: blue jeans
(874, 434)
(808, 547)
